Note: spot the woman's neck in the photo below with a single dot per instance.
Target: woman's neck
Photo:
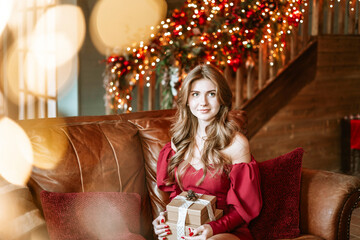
(201, 129)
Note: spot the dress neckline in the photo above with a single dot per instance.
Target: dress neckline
(194, 168)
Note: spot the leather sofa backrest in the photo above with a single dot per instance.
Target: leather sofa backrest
(115, 153)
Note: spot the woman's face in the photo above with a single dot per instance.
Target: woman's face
(202, 100)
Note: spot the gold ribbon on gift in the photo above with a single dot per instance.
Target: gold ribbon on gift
(183, 211)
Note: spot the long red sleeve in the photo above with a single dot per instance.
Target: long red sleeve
(244, 197)
(161, 175)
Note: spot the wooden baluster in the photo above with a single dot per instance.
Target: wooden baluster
(304, 27)
(357, 18)
(351, 20)
(250, 64)
(239, 89)
(293, 44)
(315, 18)
(341, 20)
(161, 89)
(227, 74)
(330, 18)
(320, 22)
(151, 92)
(262, 65)
(285, 54)
(140, 94)
(271, 60)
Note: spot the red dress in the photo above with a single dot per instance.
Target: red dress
(238, 192)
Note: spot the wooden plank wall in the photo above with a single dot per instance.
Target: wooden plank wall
(312, 119)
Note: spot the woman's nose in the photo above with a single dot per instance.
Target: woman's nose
(203, 101)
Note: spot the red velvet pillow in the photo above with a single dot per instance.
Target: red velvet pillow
(92, 215)
(280, 187)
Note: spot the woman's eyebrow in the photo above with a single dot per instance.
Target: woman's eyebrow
(213, 90)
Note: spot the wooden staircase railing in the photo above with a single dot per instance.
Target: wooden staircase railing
(287, 78)
(277, 93)
(258, 75)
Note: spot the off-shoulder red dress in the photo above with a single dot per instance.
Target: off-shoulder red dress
(238, 192)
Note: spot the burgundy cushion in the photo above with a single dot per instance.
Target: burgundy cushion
(92, 215)
(280, 186)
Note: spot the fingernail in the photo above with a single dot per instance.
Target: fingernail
(166, 226)
(167, 230)
(189, 229)
(168, 233)
(190, 234)
(182, 238)
(164, 238)
(162, 220)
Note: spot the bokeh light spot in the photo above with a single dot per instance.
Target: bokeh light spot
(6, 7)
(118, 24)
(60, 30)
(16, 153)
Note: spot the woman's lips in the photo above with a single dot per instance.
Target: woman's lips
(204, 110)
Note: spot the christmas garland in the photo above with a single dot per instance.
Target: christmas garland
(221, 32)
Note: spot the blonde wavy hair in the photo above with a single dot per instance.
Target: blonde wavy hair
(220, 131)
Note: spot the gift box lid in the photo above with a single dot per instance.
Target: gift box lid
(196, 209)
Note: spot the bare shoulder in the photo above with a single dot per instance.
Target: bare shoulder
(239, 149)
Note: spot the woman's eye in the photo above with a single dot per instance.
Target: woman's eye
(195, 94)
(212, 94)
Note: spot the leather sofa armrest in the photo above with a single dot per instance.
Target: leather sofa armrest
(326, 203)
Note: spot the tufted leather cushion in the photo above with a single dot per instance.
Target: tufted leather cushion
(154, 134)
(92, 215)
(280, 187)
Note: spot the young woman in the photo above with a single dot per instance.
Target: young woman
(208, 154)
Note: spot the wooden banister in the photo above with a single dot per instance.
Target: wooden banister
(276, 94)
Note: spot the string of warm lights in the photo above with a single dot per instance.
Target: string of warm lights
(221, 32)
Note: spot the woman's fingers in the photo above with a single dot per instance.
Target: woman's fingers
(200, 233)
(160, 228)
(161, 232)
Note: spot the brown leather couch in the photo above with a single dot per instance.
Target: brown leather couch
(119, 153)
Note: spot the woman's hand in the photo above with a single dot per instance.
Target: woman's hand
(201, 233)
(160, 228)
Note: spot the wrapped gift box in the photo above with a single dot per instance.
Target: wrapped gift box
(172, 225)
(197, 213)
